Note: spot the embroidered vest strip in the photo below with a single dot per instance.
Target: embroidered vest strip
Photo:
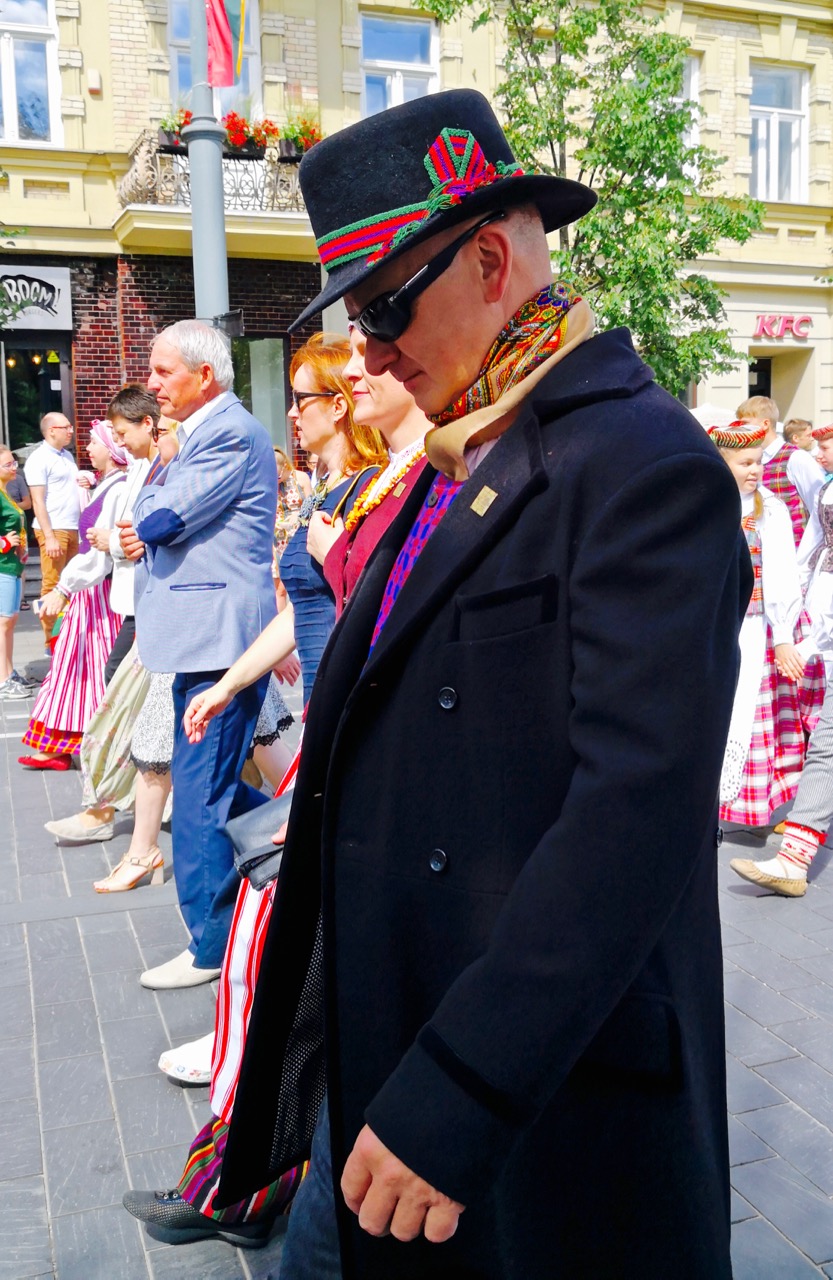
(753, 540)
(775, 478)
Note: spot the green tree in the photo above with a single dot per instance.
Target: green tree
(595, 91)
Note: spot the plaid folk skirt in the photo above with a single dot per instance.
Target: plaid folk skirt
(785, 715)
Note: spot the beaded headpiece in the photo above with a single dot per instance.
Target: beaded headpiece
(822, 433)
(738, 435)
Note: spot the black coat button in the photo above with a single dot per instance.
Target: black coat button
(438, 860)
(718, 837)
(447, 698)
(431, 500)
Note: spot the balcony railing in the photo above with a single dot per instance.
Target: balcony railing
(161, 176)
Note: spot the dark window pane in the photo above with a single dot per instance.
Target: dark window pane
(32, 93)
(389, 40)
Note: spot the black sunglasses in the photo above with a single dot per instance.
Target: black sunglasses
(388, 316)
(299, 396)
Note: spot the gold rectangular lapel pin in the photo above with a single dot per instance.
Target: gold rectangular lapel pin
(483, 501)
(399, 490)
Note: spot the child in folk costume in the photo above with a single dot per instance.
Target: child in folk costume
(812, 812)
(766, 743)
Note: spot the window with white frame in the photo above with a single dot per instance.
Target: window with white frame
(691, 93)
(30, 86)
(778, 144)
(244, 96)
(400, 60)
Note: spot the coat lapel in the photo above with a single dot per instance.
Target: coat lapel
(487, 503)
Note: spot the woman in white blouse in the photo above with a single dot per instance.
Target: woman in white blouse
(766, 743)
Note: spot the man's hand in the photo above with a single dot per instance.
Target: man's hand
(388, 1198)
(789, 661)
(204, 707)
(132, 546)
(52, 603)
(288, 670)
(51, 546)
(99, 538)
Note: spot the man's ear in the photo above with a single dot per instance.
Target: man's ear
(495, 255)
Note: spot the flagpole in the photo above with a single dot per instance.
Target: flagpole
(204, 137)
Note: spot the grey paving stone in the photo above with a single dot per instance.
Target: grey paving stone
(758, 1001)
(20, 1141)
(67, 1030)
(751, 1043)
(804, 1083)
(767, 966)
(208, 1259)
(15, 967)
(53, 940)
(112, 951)
(114, 921)
(17, 1073)
(151, 1114)
(745, 1146)
(39, 859)
(99, 1244)
(118, 994)
(820, 966)
(83, 865)
(84, 1167)
(799, 1139)
(188, 1014)
(156, 1170)
(268, 1260)
(740, 1208)
(74, 1091)
(161, 925)
(813, 1037)
(746, 1090)
(817, 999)
(133, 1045)
(733, 937)
(50, 887)
(16, 1011)
(761, 1253)
(24, 1233)
(58, 982)
(791, 1203)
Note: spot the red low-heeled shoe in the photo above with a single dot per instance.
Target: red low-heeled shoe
(59, 763)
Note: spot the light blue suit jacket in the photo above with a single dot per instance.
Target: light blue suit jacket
(208, 529)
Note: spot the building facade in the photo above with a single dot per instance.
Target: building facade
(102, 257)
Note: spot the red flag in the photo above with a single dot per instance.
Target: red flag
(225, 20)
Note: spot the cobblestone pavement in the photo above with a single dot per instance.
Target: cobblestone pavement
(84, 1112)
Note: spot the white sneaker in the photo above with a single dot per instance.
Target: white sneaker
(11, 691)
(179, 972)
(190, 1064)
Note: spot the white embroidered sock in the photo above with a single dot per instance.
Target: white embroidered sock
(793, 859)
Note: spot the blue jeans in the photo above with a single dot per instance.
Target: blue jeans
(311, 1251)
(208, 790)
(9, 595)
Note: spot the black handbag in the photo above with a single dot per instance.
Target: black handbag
(256, 858)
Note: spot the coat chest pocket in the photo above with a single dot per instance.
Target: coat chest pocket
(507, 611)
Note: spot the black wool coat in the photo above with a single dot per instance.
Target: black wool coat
(509, 815)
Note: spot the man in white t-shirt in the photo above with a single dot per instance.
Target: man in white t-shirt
(52, 476)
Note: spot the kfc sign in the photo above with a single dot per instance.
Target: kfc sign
(780, 326)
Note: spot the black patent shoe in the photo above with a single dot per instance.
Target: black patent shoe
(174, 1221)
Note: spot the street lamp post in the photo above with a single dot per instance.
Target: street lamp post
(204, 137)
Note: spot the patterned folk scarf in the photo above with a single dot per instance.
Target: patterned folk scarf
(535, 332)
(540, 333)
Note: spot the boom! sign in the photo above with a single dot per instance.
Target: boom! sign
(779, 326)
(43, 293)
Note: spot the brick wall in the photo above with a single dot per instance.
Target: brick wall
(119, 305)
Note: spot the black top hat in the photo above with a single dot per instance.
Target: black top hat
(385, 184)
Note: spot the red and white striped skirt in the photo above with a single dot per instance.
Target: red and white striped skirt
(74, 685)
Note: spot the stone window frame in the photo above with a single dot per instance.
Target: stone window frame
(398, 70)
(41, 33)
(799, 181)
(251, 107)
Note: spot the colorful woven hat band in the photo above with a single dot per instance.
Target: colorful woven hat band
(456, 168)
(822, 433)
(738, 435)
